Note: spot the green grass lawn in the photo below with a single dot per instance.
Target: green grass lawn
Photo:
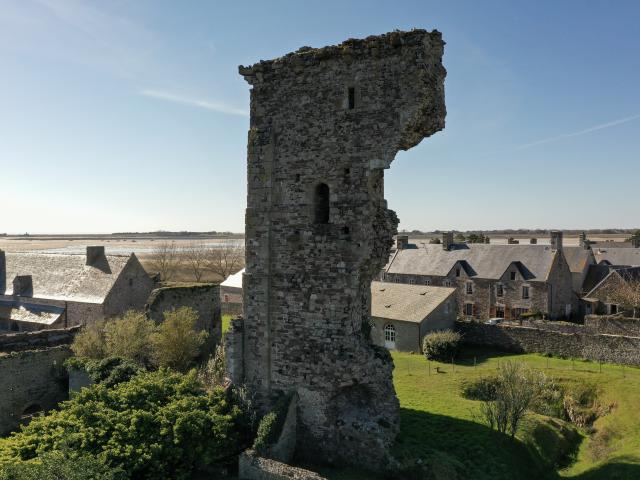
(444, 429)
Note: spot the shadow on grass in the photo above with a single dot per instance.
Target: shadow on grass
(620, 468)
(465, 449)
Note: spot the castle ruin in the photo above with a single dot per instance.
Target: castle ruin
(325, 123)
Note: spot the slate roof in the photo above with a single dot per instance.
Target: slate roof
(630, 273)
(26, 312)
(481, 260)
(63, 276)
(629, 257)
(595, 275)
(409, 303)
(577, 258)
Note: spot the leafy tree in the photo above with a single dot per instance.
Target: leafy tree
(158, 425)
(89, 342)
(130, 337)
(435, 241)
(175, 342)
(441, 345)
(164, 259)
(460, 237)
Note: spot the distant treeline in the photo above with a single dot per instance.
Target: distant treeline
(538, 231)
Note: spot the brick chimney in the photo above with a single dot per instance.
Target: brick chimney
(23, 285)
(635, 241)
(556, 240)
(402, 241)
(447, 240)
(3, 272)
(94, 254)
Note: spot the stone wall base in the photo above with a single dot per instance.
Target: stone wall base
(253, 467)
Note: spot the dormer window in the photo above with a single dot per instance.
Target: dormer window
(513, 275)
(457, 272)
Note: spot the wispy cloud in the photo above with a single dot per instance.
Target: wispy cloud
(195, 102)
(595, 128)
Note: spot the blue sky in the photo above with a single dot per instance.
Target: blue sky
(131, 116)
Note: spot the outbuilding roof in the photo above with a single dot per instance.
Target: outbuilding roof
(578, 258)
(483, 261)
(27, 312)
(63, 276)
(409, 303)
(629, 257)
(233, 281)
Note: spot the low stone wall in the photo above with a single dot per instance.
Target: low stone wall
(253, 467)
(597, 347)
(31, 381)
(613, 325)
(15, 342)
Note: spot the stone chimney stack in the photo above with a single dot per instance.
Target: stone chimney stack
(23, 285)
(3, 272)
(556, 240)
(447, 240)
(584, 243)
(402, 241)
(94, 254)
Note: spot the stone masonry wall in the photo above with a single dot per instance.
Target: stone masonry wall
(31, 381)
(601, 347)
(325, 123)
(12, 342)
(613, 325)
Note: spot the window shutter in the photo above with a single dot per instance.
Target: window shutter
(475, 310)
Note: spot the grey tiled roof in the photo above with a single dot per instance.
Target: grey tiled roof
(26, 312)
(618, 256)
(483, 261)
(577, 258)
(60, 276)
(410, 303)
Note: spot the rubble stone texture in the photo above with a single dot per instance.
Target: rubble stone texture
(325, 123)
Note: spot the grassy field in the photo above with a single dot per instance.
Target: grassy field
(444, 429)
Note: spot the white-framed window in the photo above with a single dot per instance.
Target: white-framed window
(446, 283)
(412, 281)
(499, 290)
(513, 275)
(525, 292)
(468, 309)
(469, 288)
(427, 281)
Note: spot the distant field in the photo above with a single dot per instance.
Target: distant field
(437, 422)
(570, 240)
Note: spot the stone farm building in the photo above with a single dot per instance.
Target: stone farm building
(492, 280)
(54, 290)
(600, 299)
(403, 314)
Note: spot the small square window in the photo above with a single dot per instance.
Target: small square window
(513, 275)
(525, 292)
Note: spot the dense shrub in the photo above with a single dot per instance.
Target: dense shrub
(175, 341)
(158, 425)
(57, 466)
(484, 388)
(130, 337)
(89, 342)
(110, 371)
(441, 346)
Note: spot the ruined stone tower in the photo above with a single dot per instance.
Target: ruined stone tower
(325, 123)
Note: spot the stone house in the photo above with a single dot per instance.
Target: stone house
(599, 299)
(503, 281)
(231, 294)
(73, 289)
(403, 314)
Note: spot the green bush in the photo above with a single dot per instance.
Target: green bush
(110, 371)
(441, 346)
(175, 342)
(57, 466)
(484, 388)
(158, 425)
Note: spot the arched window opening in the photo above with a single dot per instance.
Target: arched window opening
(390, 336)
(321, 203)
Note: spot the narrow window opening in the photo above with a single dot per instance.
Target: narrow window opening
(321, 203)
(345, 230)
(297, 177)
(352, 98)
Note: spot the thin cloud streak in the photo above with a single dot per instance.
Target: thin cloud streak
(580, 132)
(194, 102)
